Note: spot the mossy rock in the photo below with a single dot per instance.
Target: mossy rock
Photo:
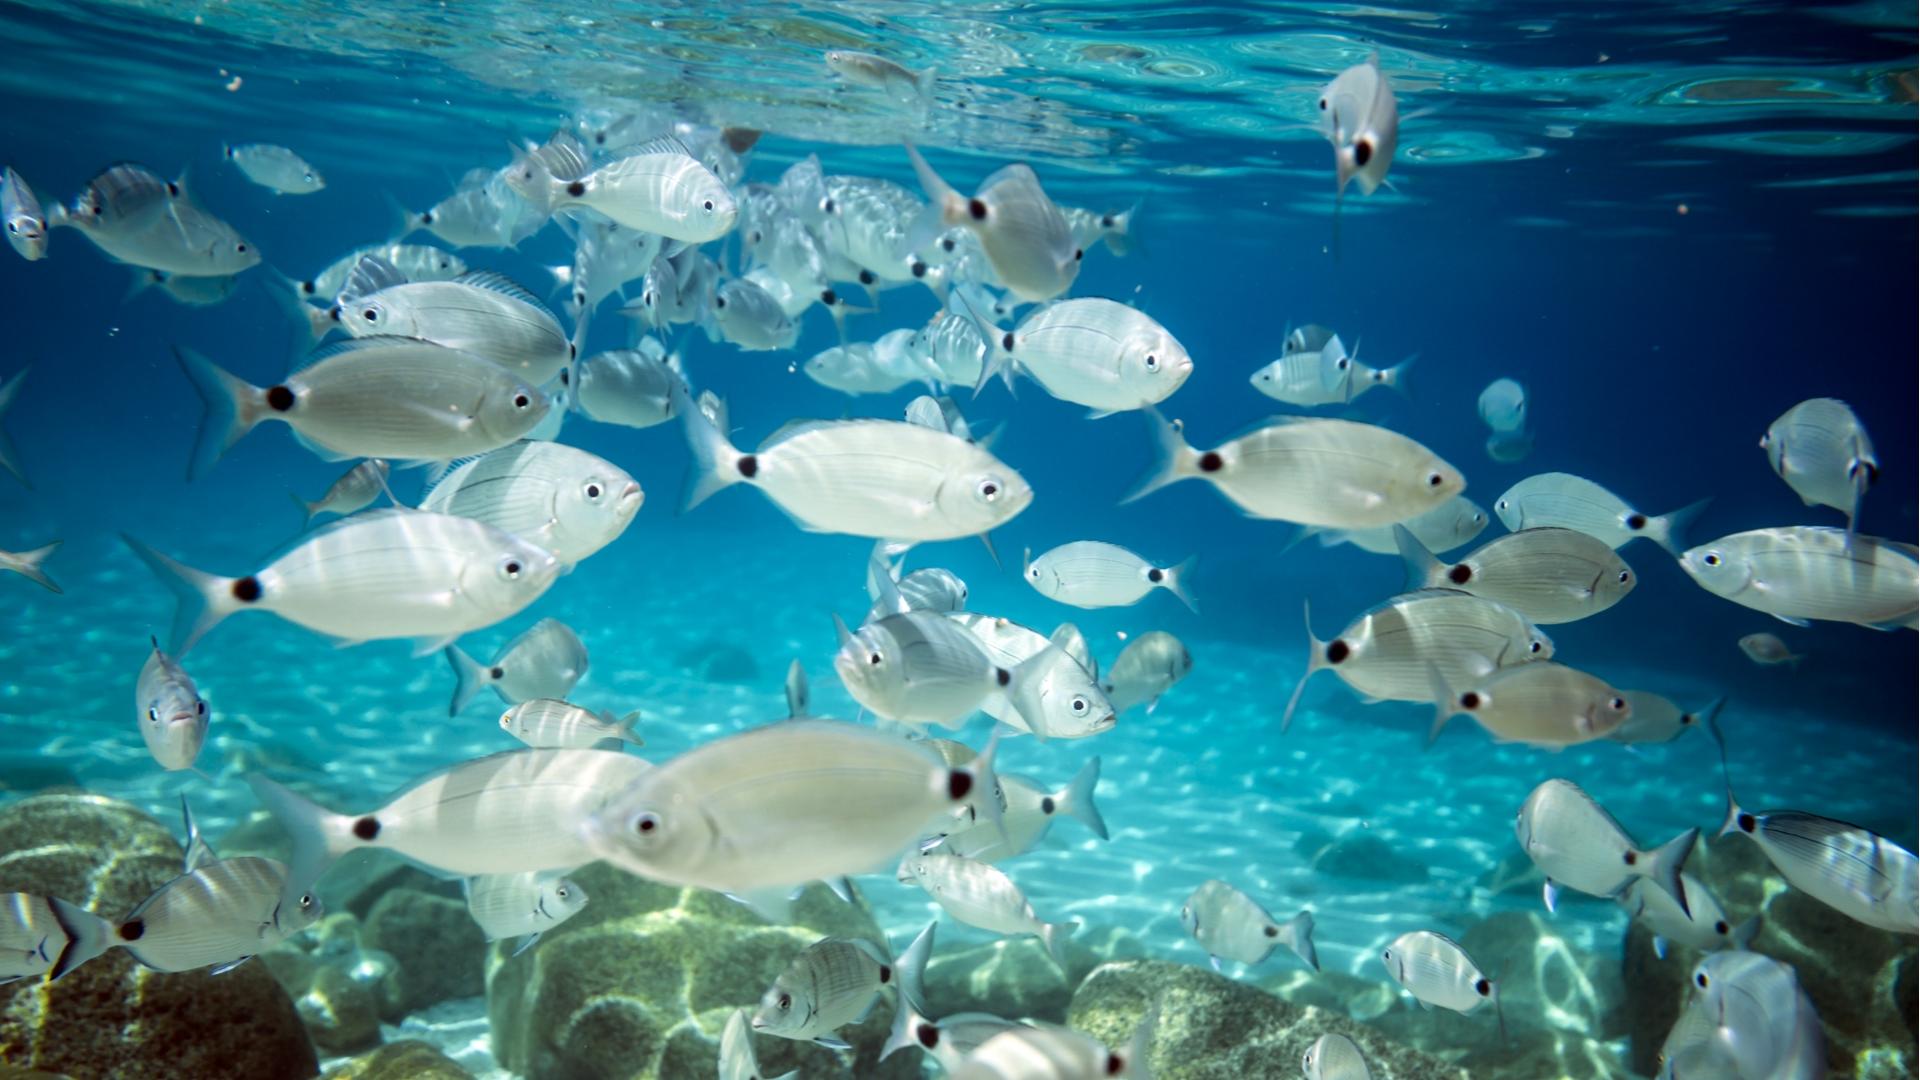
(440, 951)
(408, 1059)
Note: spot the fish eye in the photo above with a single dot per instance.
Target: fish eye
(1617, 704)
(1323, 104)
(153, 714)
(562, 892)
(240, 247)
(1501, 505)
(1700, 980)
(875, 659)
(1482, 987)
(647, 823)
(521, 401)
(200, 707)
(707, 206)
(989, 490)
(1533, 647)
(592, 490)
(1343, 363)
(1720, 927)
(947, 244)
(753, 237)
(1625, 575)
(306, 902)
(1078, 705)
(1435, 479)
(786, 1002)
(1153, 362)
(510, 568)
(1362, 151)
(1712, 558)
(826, 205)
(1387, 955)
(371, 314)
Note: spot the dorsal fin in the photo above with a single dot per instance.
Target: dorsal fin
(349, 345)
(370, 274)
(665, 144)
(493, 281)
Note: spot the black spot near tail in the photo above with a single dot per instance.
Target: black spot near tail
(367, 828)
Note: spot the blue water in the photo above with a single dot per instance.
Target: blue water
(1670, 221)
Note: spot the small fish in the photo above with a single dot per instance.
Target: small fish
(546, 660)
(1093, 574)
(374, 576)
(1105, 355)
(1050, 691)
(26, 222)
(659, 188)
(1334, 1057)
(218, 915)
(480, 313)
(940, 414)
(172, 714)
(837, 981)
(799, 697)
(1113, 228)
(1329, 375)
(1028, 816)
(1656, 719)
(1148, 667)
(737, 1060)
(982, 896)
(635, 388)
(506, 813)
(1703, 925)
(522, 905)
(1570, 502)
(773, 807)
(900, 83)
(918, 668)
(1046, 1052)
(1509, 447)
(356, 489)
(746, 315)
(1852, 870)
(1550, 575)
(34, 932)
(28, 564)
(136, 217)
(558, 498)
(546, 723)
(1331, 473)
(10, 457)
(1503, 406)
(1228, 923)
(276, 168)
(1023, 234)
(1798, 573)
(1768, 650)
(1546, 705)
(181, 289)
(1821, 449)
(1441, 529)
(1359, 116)
(930, 588)
(415, 262)
(1764, 1022)
(1577, 844)
(1439, 973)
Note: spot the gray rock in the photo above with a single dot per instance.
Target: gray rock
(1362, 855)
(440, 952)
(408, 1059)
(719, 661)
(1015, 978)
(341, 1014)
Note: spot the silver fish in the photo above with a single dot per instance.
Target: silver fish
(1821, 449)
(983, 896)
(140, 219)
(748, 316)
(951, 341)
(1334, 1057)
(481, 313)
(26, 222)
(1763, 1021)
(948, 1040)
(1768, 650)
(1577, 844)
(124, 198)
(546, 660)
(275, 167)
(635, 388)
(1030, 813)
(1503, 406)
(1656, 719)
(1229, 923)
(1093, 352)
(1328, 376)
(356, 489)
(900, 83)
(172, 714)
(415, 262)
(1438, 972)
(1036, 1052)
(737, 1061)
(1441, 529)
(1703, 925)
(868, 222)
(930, 588)
(1858, 873)
(546, 723)
(1798, 573)
(523, 905)
(1148, 667)
(377, 575)
(1024, 235)
(218, 915)
(558, 498)
(34, 931)
(1546, 705)
(1359, 116)
(28, 564)
(1571, 502)
(835, 982)
(917, 668)
(1113, 228)
(1550, 575)
(1509, 447)
(659, 188)
(190, 291)
(1095, 574)
(1050, 692)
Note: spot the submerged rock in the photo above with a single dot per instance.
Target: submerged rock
(440, 952)
(112, 1018)
(1014, 977)
(718, 661)
(1362, 855)
(408, 1059)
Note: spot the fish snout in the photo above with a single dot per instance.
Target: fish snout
(628, 501)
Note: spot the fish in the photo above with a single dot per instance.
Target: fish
(9, 456)
(940, 414)
(1550, 575)
(1148, 667)
(546, 723)
(1703, 925)
(28, 564)
(1656, 719)
(276, 168)
(768, 809)
(1852, 870)
(181, 289)
(636, 388)
(1763, 1021)
(1390, 651)
(1503, 406)
(837, 981)
(1693, 1047)
(952, 342)
(34, 932)
(377, 575)
(1332, 473)
(506, 813)
(1050, 692)
(746, 315)
(1113, 228)
(1571, 502)
(1028, 816)
(1230, 924)
(898, 82)
(948, 1040)
(1509, 447)
(479, 313)
(1545, 705)
(1799, 573)
(483, 211)
(558, 498)
(415, 262)
(918, 668)
(523, 905)
(1578, 845)
(1360, 117)
(1095, 574)
(1440, 974)
(1334, 1057)
(1768, 650)
(737, 1061)
(218, 916)
(124, 198)
(1089, 351)
(883, 479)
(26, 222)
(658, 188)
(546, 660)
(136, 217)
(1821, 449)
(384, 397)
(880, 367)
(1329, 375)
(1445, 527)
(355, 490)
(930, 588)
(981, 895)
(1023, 234)
(172, 714)
(1047, 1052)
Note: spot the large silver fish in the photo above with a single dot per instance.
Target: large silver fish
(1046, 1052)
(1702, 925)
(980, 894)
(559, 498)
(34, 931)
(918, 668)
(1024, 235)
(1334, 1057)
(1572, 502)
(1052, 692)
(1438, 972)
(1546, 705)
(1852, 870)
(1359, 116)
(1799, 573)
(1764, 1024)
(659, 188)
(545, 660)
(141, 219)
(1821, 449)
(1093, 352)
(1577, 844)
(636, 388)
(1550, 575)
(171, 713)
(217, 915)
(480, 313)
(523, 905)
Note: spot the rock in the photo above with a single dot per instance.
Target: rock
(719, 661)
(1015, 978)
(115, 1019)
(1210, 1027)
(408, 1059)
(341, 1015)
(1360, 854)
(640, 984)
(440, 951)
(1859, 979)
(1335, 991)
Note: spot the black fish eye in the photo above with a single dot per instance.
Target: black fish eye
(200, 707)
(241, 247)
(874, 658)
(306, 901)
(512, 569)
(708, 204)
(786, 1002)
(1079, 705)
(561, 892)
(1435, 480)
(593, 491)
(1700, 980)
(1624, 576)
(1153, 362)
(153, 715)
(1533, 646)
(1711, 560)
(1323, 104)
(647, 823)
(372, 314)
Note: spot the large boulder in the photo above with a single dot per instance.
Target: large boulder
(1359, 854)
(640, 983)
(1210, 1027)
(1015, 978)
(439, 950)
(112, 1019)
(1859, 979)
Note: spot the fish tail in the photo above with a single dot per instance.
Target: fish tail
(1423, 567)
(319, 836)
(88, 935)
(468, 676)
(1054, 936)
(1174, 460)
(1315, 650)
(232, 406)
(1174, 580)
(27, 565)
(796, 690)
(1022, 689)
(1670, 530)
(1396, 376)
(716, 463)
(945, 206)
(1076, 801)
(910, 968)
(307, 508)
(1298, 934)
(562, 276)
(310, 323)
(1442, 703)
(1662, 866)
(982, 778)
(1743, 935)
(907, 1022)
(405, 221)
(202, 600)
(625, 727)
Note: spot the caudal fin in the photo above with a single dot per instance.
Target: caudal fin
(232, 406)
(319, 836)
(201, 599)
(88, 935)
(27, 565)
(1662, 866)
(1174, 579)
(1077, 800)
(1424, 569)
(1054, 936)
(1395, 377)
(626, 728)
(797, 692)
(1443, 703)
(908, 1028)
(910, 968)
(1297, 935)
(944, 206)
(1315, 650)
(1173, 459)
(1670, 530)
(469, 678)
(716, 464)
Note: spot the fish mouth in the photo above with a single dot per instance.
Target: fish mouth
(629, 500)
(182, 719)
